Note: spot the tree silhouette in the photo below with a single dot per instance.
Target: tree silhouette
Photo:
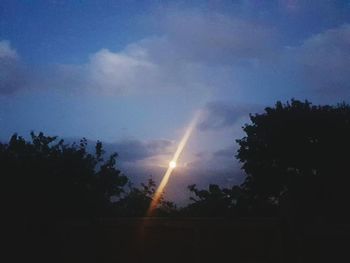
(216, 202)
(296, 155)
(46, 177)
(136, 201)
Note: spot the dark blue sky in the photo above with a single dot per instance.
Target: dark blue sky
(133, 73)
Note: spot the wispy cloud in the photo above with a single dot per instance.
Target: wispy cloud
(136, 150)
(12, 72)
(192, 51)
(324, 60)
(219, 115)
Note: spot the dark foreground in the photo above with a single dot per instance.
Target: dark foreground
(179, 240)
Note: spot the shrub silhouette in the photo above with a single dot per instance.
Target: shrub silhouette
(136, 202)
(46, 177)
(216, 202)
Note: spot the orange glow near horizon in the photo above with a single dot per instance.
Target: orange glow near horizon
(172, 165)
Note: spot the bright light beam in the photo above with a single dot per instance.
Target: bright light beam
(172, 165)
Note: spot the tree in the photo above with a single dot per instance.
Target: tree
(298, 154)
(216, 202)
(137, 201)
(46, 177)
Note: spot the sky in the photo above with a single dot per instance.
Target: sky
(132, 74)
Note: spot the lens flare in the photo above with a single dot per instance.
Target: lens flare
(172, 164)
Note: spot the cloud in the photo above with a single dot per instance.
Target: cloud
(196, 51)
(324, 61)
(132, 150)
(136, 150)
(228, 153)
(222, 159)
(141, 159)
(219, 167)
(207, 53)
(122, 72)
(192, 51)
(11, 69)
(213, 38)
(207, 168)
(219, 115)
(6, 51)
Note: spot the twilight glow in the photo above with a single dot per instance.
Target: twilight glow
(131, 73)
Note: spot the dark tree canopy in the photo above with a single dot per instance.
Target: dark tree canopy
(216, 202)
(137, 201)
(48, 177)
(44, 177)
(300, 153)
(295, 155)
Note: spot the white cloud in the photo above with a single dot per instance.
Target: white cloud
(198, 53)
(194, 52)
(6, 51)
(122, 72)
(11, 69)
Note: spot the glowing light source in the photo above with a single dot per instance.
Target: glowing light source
(172, 164)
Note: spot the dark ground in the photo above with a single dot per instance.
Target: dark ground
(179, 240)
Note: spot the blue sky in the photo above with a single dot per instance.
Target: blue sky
(133, 73)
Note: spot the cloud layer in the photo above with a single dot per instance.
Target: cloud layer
(136, 150)
(325, 61)
(193, 51)
(219, 115)
(11, 70)
(198, 51)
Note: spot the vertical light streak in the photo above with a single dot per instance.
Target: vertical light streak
(170, 169)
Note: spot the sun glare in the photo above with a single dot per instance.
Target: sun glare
(172, 164)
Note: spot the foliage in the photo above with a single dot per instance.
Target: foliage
(46, 177)
(214, 201)
(298, 154)
(295, 157)
(137, 201)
